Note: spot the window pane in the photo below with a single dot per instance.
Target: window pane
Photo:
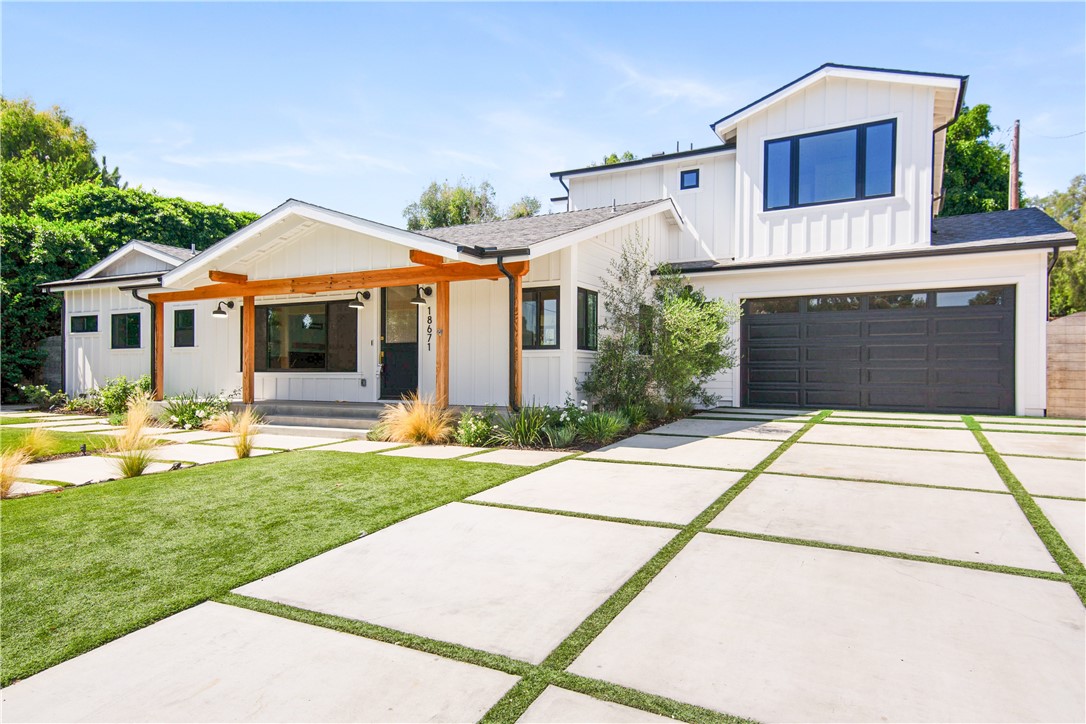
(788, 305)
(593, 326)
(125, 331)
(778, 178)
(917, 300)
(689, 179)
(833, 304)
(548, 324)
(969, 298)
(531, 320)
(85, 323)
(879, 160)
(343, 338)
(297, 337)
(184, 332)
(401, 316)
(827, 167)
(586, 319)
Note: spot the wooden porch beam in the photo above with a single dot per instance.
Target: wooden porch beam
(228, 277)
(516, 389)
(442, 384)
(248, 349)
(426, 258)
(159, 373)
(402, 276)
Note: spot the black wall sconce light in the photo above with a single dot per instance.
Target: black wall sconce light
(419, 292)
(219, 312)
(359, 301)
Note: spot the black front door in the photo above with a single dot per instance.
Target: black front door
(399, 342)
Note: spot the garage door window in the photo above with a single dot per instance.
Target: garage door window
(918, 300)
(774, 306)
(969, 298)
(833, 304)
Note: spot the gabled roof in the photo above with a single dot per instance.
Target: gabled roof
(1021, 225)
(496, 237)
(658, 158)
(169, 255)
(954, 84)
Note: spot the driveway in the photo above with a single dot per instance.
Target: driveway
(770, 565)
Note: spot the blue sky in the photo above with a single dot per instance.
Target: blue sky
(359, 106)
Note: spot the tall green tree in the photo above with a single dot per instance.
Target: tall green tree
(447, 205)
(41, 151)
(977, 174)
(1067, 283)
(526, 206)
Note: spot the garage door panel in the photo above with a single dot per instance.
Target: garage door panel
(871, 354)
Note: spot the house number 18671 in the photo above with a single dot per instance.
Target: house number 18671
(429, 326)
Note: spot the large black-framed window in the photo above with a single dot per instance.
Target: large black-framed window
(588, 322)
(125, 330)
(306, 337)
(184, 328)
(843, 164)
(83, 323)
(540, 318)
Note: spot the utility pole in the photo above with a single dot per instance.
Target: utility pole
(1012, 187)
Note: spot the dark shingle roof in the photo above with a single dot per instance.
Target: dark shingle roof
(176, 252)
(1019, 224)
(521, 233)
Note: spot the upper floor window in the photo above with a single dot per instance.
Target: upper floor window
(83, 323)
(125, 331)
(689, 179)
(844, 164)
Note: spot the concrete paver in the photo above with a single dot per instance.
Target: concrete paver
(955, 469)
(506, 581)
(701, 427)
(1045, 421)
(80, 470)
(1024, 443)
(94, 427)
(895, 416)
(222, 663)
(560, 706)
(148, 431)
(525, 458)
(1046, 476)
(641, 492)
(794, 633)
(195, 453)
(280, 442)
(896, 437)
(1069, 518)
(359, 446)
(21, 489)
(671, 450)
(954, 524)
(172, 435)
(433, 452)
(764, 411)
(1047, 429)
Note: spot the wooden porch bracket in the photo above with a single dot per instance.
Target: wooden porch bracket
(229, 277)
(441, 386)
(425, 258)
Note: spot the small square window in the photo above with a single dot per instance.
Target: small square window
(690, 179)
(126, 331)
(84, 323)
(184, 328)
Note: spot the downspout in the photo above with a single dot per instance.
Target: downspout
(1048, 280)
(513, 402)
(64, 342)
(149, 303)
(562, 181)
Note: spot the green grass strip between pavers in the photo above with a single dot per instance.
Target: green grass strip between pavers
(532, 676)
(513, 705)
(1061, 552)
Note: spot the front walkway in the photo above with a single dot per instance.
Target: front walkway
(802, 567)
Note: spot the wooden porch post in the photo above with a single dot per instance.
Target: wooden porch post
(159, 373)
(442, 383)
(248, 345)
(516, 389)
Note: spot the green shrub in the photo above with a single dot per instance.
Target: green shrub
(475, 429)
(190, 411)
(561, 436)
(85, 405)
(602, 428)
(523, 428)
(638, 415)
(41, 397)
(118, 391)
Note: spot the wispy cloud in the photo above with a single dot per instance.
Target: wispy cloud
(315, 158)
(469, 158)
(230, 197)
(661, 90)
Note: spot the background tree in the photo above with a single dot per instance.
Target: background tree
(525, 207)
(614, 158)
(445, 205)
(1067, 284)
(977, 174)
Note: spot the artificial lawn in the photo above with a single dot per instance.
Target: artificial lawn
(90, 564)
(65, 442)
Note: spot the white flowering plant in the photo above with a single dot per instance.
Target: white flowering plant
(191, 410)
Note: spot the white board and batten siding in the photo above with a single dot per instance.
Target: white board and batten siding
(89, 357)
(707, 209)
(880, 224)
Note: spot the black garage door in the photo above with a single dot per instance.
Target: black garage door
(944, 350)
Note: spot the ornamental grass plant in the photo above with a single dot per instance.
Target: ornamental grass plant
(10, 463)
(417, 420)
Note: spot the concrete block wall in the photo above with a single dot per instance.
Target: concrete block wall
(1067, 366)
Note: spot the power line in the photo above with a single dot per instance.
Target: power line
(1069, 135)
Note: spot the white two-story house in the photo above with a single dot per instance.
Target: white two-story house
(815, 210)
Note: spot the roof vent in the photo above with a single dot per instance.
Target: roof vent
(192, 248)
(614, 206)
